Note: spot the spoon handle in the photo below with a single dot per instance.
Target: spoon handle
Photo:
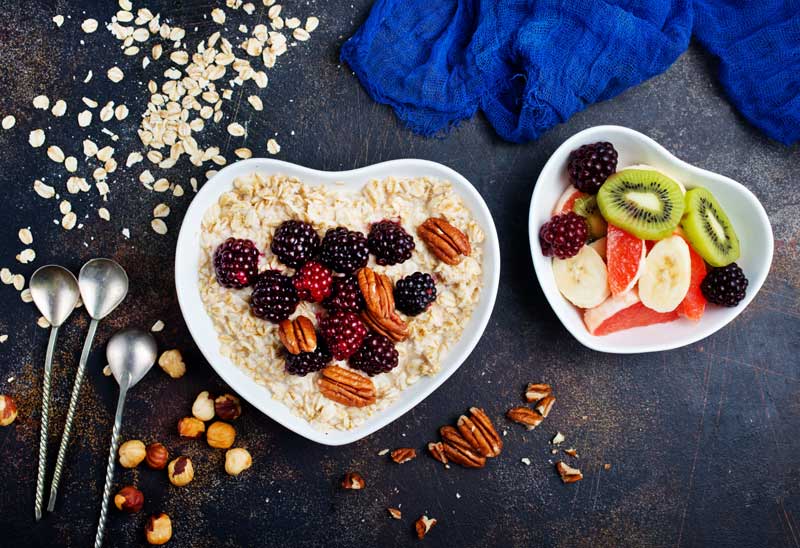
(112, 459)
(48, 366)
(73, 405)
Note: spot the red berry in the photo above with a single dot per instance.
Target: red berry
(236, 263)
(343, 333)
(345, 295)
(313, 282)
(563, 235)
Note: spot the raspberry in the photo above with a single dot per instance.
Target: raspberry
(295, 243)
(343, 332)
(308, 362)
(725, 286)
(563, 235)
(414, 294)
(313, 282)
(390, 243)
(344, 250)
(236, 263)
(274, 297)
(345, 295)
(590, 166)
(376, 355)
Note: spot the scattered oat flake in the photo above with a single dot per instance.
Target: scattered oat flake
(26, 256)
(59, 108)
(89, 148)
(55, 153)
(25, 236)
(274, 12)
(107, 371)
(19, 282)
(243, 153)
(236, 129)
(88, 77)
(26, 296)
(273, 147)
(526, 461)
(69, 220)
(115, 74)
(42, 322)
(6, 276)
(8, 122)
(218, 16)
(43, 190)
(161, 210)
(158, 326)
(121, 112)
(71, 164)
(84, 118)
(36, 138)
(292, 22)
(58, 20)
(311, 24)
(301, 35)
(4, 338)
(89, 26)
(255, 102)
(162, 185)
(133, 158)
(41, 102)
(104, 214)
(177, 191)
(159, 226)
(383, 452)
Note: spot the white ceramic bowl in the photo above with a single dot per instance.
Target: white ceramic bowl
(745, 211)
(187, 258)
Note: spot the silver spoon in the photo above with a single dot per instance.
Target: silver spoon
(130, 353)
(103, 284)
(55, 291)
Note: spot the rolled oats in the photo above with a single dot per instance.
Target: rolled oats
(84, 118)
(89, 26)
(55, 153)
(36, 138)
(8, 122)
(41, 102)
(115, 74)
(25, 236)
(59, 108)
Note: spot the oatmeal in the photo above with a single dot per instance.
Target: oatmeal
(253, 210)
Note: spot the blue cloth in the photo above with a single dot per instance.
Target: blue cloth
(531, 64)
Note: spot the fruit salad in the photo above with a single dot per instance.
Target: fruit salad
(633, 247)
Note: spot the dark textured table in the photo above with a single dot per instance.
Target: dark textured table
(702, 441)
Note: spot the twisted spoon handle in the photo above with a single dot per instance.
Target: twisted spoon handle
(112, 454)
(73, 405)
(48, 366)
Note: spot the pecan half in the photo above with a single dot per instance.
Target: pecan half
(524, 415)
(444, 240)
(545, 405)
(423, 525)
(459, 450)
(346, 387)
(474, 436)
(436, 449)
(537, 391)
(404, 454)
(354, 481)
(484, 424)
(568, 473)
(380, 315)
(298, 335)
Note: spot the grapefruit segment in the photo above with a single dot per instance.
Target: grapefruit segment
(623, 311)
(625, 255)
(567, 200)
(694, 304)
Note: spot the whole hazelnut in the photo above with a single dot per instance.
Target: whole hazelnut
(190, 427)
(157, 456)
(237, 461)
(203, 406)
(158, 529)
(131, 453)
(129, 499)
(220, 435)
(171, 362)
(8, 410)
(228, 407)
(180, 471)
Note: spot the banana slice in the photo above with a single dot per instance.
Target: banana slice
(582, 279)
(667, 273)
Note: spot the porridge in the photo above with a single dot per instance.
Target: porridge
(255, 209)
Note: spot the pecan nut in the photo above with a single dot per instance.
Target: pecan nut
(444, 240)
(380, 315)
(484, 424)
(524, 415)
(423, 525)
(545, 405)
(568, 473)
(404, 454)
(474, 436)
(459, 450)
(298, 335)
(436, 449)
(537, 391)
(346, 387)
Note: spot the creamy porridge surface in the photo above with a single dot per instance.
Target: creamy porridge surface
(258, 204)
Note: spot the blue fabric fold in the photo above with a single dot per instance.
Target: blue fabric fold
(531, 64)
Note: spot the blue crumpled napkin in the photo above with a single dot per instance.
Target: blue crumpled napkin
(531, 64)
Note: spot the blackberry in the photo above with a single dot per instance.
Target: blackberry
(414, 294)
(390, 243)
(295, 243)
(236, 263)
(274, 297)
(590, 166)
(344, 250)
(376, 355)
(345, 295)
(563, 235)
(313, 282)
(307, 362)
(343, 332)
(725, 286)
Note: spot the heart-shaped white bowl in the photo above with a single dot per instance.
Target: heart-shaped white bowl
(745, 211)
(187, 259)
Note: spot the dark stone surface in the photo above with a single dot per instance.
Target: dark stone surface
(703, 441)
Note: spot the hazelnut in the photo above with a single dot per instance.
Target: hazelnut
(129, 499)
(237, 461)
(8, 410)
(158, 529)
(203, 406)
(180, 471)
(131, 453)
(220, 435)
(228, 407)
(171, 362)
(190, 427)
(157, 456)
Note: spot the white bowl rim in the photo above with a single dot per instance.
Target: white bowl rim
(187, 286)
(557, 301)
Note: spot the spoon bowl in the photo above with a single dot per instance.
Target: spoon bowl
(103, 285)
(131, 353)
(55, 291)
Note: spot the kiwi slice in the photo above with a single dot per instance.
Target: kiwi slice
(644, 202)
(587, 207)
(708, 228)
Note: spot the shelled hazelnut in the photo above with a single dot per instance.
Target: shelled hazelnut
(8, 410)
(171, 362)
(129, 499)
(190, 427)
(228, 407)
(157, 456)
(203, 406)
(158, 529)
(237, 461)
(180, 471)
(220, 435)
(131, 453)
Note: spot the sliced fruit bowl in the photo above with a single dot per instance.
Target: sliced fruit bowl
(626, 296)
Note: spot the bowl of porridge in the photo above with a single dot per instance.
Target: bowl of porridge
(411, 239)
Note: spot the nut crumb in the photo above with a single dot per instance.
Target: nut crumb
(172, 363)
(395, 513)
(526, 461)
(353, 481)
(558, 439)
(159, 325)
(568, 473)
(423, 525)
